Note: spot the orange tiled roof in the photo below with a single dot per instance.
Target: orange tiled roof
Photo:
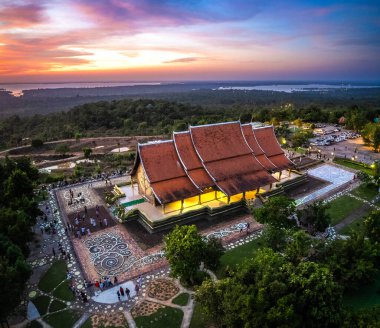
(227, 157)
(268, 142)
(191, 161)
(165, 173)
(257, 150)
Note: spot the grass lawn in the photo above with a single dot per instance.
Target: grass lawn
(366, 191)
(62, 319)
(356, 225)
(237, 255)
(354, 165)
(41, 303)
(342, 207)
(366, 297)
(56, 306)
(182, 299)
(198, 319)
(64, 293)
(55, 274)
(87, 323)
(164, 318)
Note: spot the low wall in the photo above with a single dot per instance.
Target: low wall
(207, 213)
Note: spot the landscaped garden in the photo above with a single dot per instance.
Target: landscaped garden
(52, 308)
(164, 317)
(341, 207)
(366, 191)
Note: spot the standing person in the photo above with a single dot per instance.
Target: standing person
(137, 288)
(118, 295)
(140, 280)
(115, 281)
(88, 232)
(121, 291)
(105, 222)
(53, 252)
(127, 292)
(85, 210)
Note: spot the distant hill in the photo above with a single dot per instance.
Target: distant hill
(45, 101)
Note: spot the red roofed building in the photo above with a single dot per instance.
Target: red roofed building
(220, 163)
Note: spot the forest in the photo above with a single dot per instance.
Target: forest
(160, 117)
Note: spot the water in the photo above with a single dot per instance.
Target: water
(17, 89)
(289, 88)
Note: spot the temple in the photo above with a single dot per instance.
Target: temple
(207, 170)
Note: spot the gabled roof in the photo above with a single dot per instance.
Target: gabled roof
(267, 140)
(190, 160)
(256, 149)
(227, 158)
(164, 172)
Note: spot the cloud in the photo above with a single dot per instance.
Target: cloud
(183, 60)
(21, 15)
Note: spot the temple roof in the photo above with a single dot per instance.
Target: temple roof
(191, 161)
(165, 173)
(268, 142)
(256, 149)
(232, 157)
(227, 157)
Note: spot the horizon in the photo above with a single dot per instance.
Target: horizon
(44, 41)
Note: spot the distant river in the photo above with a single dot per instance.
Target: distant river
(17, 88)
(298, 87)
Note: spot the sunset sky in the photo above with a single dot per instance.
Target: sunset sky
(125, 40)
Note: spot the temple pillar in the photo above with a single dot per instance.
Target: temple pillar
(279, 175)
(244, 195)
(181, 205)
(163, 208)
(199, 199)
(270, 186)
(290, 172)
(216, 194)
(228, 199)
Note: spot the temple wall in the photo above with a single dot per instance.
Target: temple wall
(143, 184)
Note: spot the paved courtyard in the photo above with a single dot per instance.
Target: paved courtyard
(337, 177)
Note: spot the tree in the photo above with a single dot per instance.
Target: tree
(18, 184)
(270, 291)
(184, 250)
(277, 212)
(274, 237)
(376, 138)
(212, 253)
(314, 217)
(87, 152)
(372, 226)
(37, 143)
(298, 247)
(352, 261)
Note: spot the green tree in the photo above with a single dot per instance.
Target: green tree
(212, 253)
(274, 237)
(277, 211)
(87, 152)
(184, 250)
(298, 247)
(352, 261)
(37, 143)
(372, 226)
(376, 138)
(315, 217)
(18, 184)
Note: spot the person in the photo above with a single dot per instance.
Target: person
(118, 295)
(140, 280)
(100, 223)
(83, 231)
(88, 232)
(85, 210)
(115, 281)
(101, 285)
(248, 226)
(53, 252)
(97, 284)
(137, 288)
(105, 222)
(68, 256)
(78, 234)
(121, 291)
(127, 292)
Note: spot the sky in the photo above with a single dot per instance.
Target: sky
(162, 40)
